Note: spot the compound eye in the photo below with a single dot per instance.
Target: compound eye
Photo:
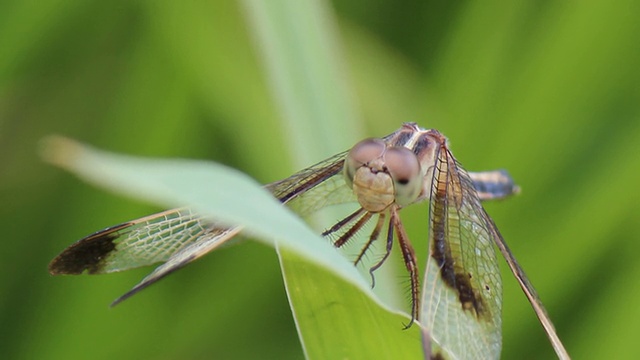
(361, 154)
(366, 150)
(404, 168)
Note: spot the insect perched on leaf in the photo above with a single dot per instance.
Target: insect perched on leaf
(461, 292)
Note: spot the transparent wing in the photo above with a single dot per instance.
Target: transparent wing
(182, 257)
(159, 237)
(462, 302)
(179, 236)
(174, 237)
(462, 291)
(302, 193)
(148, 240)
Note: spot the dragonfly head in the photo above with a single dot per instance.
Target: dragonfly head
(381, 175)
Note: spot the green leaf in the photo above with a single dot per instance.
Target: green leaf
(338, 321)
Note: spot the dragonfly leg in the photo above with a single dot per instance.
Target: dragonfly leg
(409, 257)
(340, 224)
(386, 254)
(348, 235)
(373, 237)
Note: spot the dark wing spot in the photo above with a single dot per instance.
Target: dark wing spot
(437, 356)
(87, 254)
(468, 297)
(460, 282)
(451, 275)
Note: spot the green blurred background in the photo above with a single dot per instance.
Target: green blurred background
(549, 91)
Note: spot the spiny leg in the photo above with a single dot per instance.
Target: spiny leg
(343, 222)
(386, 255)
(409, 258)
(347, 235)
(373, 237)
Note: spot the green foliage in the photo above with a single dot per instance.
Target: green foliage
(546, 90)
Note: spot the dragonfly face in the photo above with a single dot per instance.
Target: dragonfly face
(382, 175)
(412, 165)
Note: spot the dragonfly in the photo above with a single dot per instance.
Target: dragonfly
(461, 294)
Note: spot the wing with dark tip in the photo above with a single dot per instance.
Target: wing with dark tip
(141, 242)
(179, 236)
